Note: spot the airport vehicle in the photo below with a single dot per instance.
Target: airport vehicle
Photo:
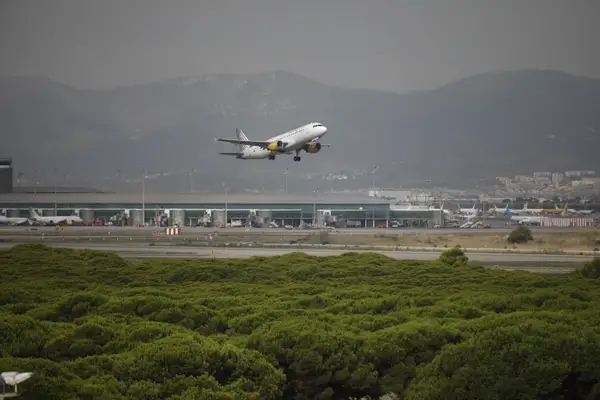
(304, 138)
(531, 220)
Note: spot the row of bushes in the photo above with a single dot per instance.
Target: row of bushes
(91, 325)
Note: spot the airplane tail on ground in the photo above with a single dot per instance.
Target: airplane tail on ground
(32, 213)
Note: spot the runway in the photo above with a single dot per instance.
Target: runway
(191, 231)
(142, 252)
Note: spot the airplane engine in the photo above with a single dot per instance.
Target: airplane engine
(313, 147)
(276, 146)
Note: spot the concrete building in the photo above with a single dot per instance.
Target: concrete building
(575, 173)
(544, 174)
(393, 194)
(192, 209)
(557, 178)
(6, 175)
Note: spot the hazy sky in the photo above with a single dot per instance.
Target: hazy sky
(385, 44)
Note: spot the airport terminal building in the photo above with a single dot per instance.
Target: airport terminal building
(339, 210)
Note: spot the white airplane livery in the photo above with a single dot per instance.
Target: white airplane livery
(303, 138)
(54, 220)
(13, 220)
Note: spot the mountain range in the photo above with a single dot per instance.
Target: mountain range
(493, 124)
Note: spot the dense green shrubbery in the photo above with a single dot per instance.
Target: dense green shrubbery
(591, 269)
(93, 326)
(521, 234)
(454, 257)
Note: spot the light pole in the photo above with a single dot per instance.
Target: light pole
(54, 179)
(375, 168)
(483, 212)
(314, 213)
(118, 178)
(143, 197)
(191, 183)
(36, 178)
(225, 188)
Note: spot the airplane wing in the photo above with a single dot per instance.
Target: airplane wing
(261, 144)
(232, 154)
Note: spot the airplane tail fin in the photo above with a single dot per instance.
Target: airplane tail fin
(32, 213)
(241, 136)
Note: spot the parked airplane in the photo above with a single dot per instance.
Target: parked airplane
(505, 211)
(532, 210)
(580, 212)
(554, 210)
(557, 210)
(516, 218)
(54, 220)
(303, 138)
(468, 211)
(445, 211)
(13, 220)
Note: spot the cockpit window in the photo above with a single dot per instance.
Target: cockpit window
(316, 125)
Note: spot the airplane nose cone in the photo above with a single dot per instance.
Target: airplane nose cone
(323, 130)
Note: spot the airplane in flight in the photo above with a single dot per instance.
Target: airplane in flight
(304, 138)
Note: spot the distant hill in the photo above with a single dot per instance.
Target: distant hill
(482, 126)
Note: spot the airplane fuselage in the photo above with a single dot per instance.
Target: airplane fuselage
(13, 220)
(54, 220)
